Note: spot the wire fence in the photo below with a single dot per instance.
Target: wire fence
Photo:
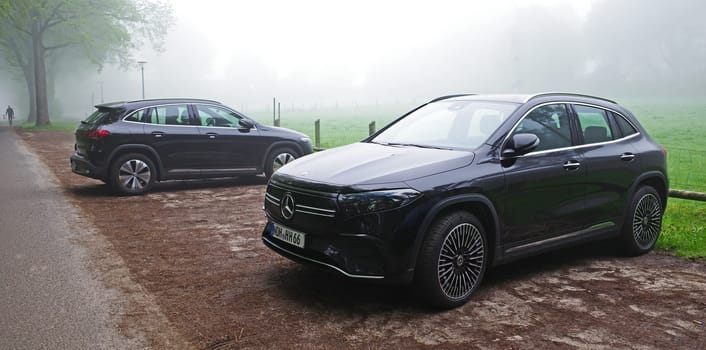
(687, 169)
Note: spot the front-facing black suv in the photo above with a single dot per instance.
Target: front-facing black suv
(130, 145)
(465, 182)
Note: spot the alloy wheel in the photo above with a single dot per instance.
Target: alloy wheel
(647, 220)
(134, 175)
(281, 160)
(461, 261)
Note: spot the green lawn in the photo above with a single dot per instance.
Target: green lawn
(58, 125)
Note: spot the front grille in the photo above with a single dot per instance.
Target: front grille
(306, 202)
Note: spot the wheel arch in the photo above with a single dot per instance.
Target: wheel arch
(655, 179)
(280, 144)
(476, 204)
(136, 148)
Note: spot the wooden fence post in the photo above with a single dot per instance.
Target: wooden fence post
(317, 133)
(279, 115)
(371, 128)
(274, 116)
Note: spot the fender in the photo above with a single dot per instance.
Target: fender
(451, 201)
(141, 147)
(289, 144)
(638, 180)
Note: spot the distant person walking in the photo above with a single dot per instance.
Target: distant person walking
(10, 114)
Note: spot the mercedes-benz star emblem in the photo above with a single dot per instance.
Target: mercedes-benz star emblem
(287, 206)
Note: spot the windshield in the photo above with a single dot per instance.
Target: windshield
(448, 125)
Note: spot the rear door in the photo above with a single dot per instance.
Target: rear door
(544, 195)
(170, 131)
(611, 162)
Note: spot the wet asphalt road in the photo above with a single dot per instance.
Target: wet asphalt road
(48, 297)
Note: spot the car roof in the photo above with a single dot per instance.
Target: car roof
(152, 102)
(520, 98)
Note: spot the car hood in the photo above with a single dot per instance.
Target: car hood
(369, 163)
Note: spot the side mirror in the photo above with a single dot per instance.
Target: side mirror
(245, 124)
(520, 144)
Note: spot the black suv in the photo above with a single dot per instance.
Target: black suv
(469, 181)
(132, 144)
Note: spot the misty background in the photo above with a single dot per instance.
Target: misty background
(312, 54)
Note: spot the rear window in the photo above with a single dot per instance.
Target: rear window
(102, 115)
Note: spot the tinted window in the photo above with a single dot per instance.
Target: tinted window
(624, 125)
(100, 115)
(169, 115)
(217, 116)
(551, 125)
(137, 116)
(594, 124)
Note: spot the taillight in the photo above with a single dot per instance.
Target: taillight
(97, 134)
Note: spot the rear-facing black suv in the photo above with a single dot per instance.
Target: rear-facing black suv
(132, 144)
(470, 181)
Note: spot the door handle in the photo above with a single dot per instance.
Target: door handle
(211, 135)
(157, 134)
(627, 156)
(571, 165)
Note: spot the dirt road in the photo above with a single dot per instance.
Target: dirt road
(195, 247)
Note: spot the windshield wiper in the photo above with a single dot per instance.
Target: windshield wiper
(415, 145)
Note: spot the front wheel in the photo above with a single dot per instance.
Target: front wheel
(278, 158)
(452, 260)
(132, 174)
(644, 222)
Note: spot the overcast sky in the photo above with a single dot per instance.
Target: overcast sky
(309, 53)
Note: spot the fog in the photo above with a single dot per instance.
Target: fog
(323, 53)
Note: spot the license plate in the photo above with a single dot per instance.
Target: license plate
(287, 235)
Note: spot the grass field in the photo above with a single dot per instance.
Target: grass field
(679, 126)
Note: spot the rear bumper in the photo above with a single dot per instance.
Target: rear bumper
(82, 166)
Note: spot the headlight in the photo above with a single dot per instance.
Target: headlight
(353, 204)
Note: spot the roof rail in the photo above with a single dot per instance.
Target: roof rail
(449, 96)
(176, 98)
(531, 97)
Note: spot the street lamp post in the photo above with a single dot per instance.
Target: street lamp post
(142, 69)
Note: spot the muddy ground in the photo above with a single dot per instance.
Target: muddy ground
(193, 247)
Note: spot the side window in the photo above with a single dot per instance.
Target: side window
(624, 125)
(217, 116)
(137, 116)
(170, 115)
(551, 125)
(594, 124)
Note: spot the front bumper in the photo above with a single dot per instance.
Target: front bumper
(354, 256)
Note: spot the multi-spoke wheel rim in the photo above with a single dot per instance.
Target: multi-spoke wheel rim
(647, 221)
(134, 175)
(461, 261)
(281, 160)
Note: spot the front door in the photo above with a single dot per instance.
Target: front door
(543, 194)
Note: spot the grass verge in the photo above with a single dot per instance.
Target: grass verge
(684, 228)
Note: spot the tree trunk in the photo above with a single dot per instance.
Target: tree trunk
(40, 76)
(28, 71)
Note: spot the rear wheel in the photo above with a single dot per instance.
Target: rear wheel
(132, 174)
(278, 158)
(644, 222)
(452, 260)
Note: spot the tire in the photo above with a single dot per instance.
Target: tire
(277, 158)
(448, 280)
(132, 174)
(643, 223)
